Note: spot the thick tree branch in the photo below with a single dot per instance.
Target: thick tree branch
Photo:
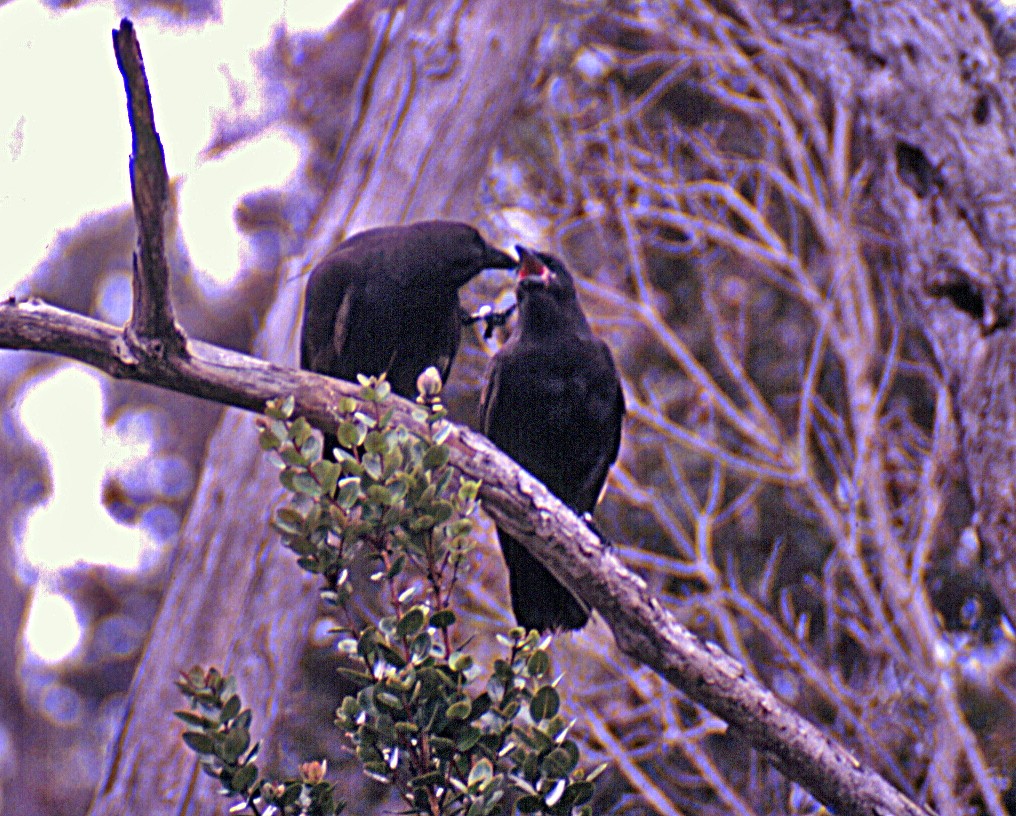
(642, 627)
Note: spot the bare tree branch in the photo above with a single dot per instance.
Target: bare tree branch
(642, 627)
(152, 324)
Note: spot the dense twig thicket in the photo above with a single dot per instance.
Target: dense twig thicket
(791, 464)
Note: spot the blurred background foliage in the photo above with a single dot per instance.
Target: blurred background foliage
(788, 485)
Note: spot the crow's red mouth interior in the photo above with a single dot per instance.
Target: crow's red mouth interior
(532, 268)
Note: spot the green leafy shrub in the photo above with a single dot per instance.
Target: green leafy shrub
(426, 719)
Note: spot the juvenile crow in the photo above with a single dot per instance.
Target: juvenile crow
(553, 402)
(387, 300)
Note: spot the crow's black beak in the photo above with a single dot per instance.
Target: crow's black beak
(496, 259)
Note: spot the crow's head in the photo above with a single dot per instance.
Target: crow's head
(546, 291)
(457, 252)
(538, 271)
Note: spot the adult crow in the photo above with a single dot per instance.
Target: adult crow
(386, 300)
(553, 402)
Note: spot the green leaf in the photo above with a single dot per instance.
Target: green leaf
(468, 738)
(442, 746)
(306, 484)
(199, 742)
(372, 464)
(539, 740)
(327, 473)
(347, 405)
(557, 764)
(374, 442)
(460, 661)
(403, 728)
(398, 564)
(481, 705)
(538, 664)
(441, 434)
(460, 527)
(442, 619)
(459, 710)
(468, 490)
(349, 434)
(393, 462)
(268, 441)
(436, 457)
(572, 748)
(503, 671)
(280, 429)
(378, 494)
(411, 622)
(230, 709)
(529, 804)
(442, 510)
(300, 431)
(349, 492)
(427, 496)
(244, 778)
(193, 718)
(288, 521)
(384, 699)
(293, 457)
(422, 523)
(427, 780)
(393, 516)
(545, 703)
(233, 745)
(311, 448)
(397, 489)
(481, 773)
(582, 792)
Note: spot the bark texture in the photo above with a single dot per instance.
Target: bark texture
(936, 111)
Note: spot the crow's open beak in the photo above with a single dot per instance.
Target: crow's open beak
(531, 267)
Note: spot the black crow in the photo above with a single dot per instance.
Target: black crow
(386, 300)
(553, 402)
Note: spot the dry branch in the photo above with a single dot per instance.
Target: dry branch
(642, 628)
(152, 315)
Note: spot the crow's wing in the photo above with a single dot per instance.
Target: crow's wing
(489, 394)
(607, 446)
(324, 298)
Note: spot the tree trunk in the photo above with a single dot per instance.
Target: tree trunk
(946, 125)
(438, 83)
